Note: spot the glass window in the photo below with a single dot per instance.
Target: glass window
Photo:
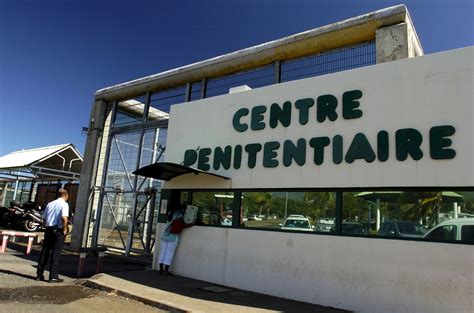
(215, 208)
(447, 232)
(162, 101)
(123, 160)
(291, 211)
(153, 151)
(130, 111)
(467, 233)
(408, 214)
(195, 91)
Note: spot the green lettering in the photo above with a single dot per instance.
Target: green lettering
(203, 161)
(282, 115)
(252, 149)
(257, 117)
(407, 142)
(382, 146)
(292, 152)
(190, 157)
(238, 126)
(222, 157)
(269, 154)
(337, 149)
(318, 144)
(360, 149)
(237, 156)
(439, 143)
(350, 105)
(326, 107)
(303, 106)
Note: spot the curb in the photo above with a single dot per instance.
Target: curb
(156, 304)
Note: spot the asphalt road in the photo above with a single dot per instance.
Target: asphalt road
(19, 292)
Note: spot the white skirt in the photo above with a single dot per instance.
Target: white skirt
(167, 250)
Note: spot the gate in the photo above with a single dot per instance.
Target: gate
(126, 216)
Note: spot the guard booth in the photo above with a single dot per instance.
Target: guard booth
(38, 174)
(310, 146)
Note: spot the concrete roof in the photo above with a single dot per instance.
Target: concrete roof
(348, 32)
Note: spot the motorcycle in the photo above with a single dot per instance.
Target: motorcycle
(4, 216)
(33, 217)
(27, 216)
(13, 215)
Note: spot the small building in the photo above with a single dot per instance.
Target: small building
(327, 167)
(37, 174)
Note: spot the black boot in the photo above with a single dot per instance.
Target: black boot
(161, 268)
(167, 272)
(39, 277)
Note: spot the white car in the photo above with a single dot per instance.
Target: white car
(254, 218)
(297, 223)
(453, 229)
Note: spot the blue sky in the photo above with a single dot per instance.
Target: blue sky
(55, 54)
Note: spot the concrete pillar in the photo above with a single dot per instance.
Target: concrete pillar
(88, 174)
(396, 42)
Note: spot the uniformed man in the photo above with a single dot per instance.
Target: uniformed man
(55, 218)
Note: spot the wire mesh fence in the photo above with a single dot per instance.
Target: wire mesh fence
(255, 78)
(164, 99)
(329, 62)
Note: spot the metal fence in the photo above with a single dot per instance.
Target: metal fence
(346, 58)
(329, 62)
(254, 78)
(163, 100)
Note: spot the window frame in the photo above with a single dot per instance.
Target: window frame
(339, 207)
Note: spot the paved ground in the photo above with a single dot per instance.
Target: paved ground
(19, 292)
(119, 283)
(189, 295)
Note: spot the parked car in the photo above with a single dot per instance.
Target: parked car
(353, 228)
(297, 223)
(325, 225)
(296, 215)
(453, 229)
(254, 217)
(398, 228)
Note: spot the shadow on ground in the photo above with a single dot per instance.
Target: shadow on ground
(69, 262)
(198, 289)
(46, 294)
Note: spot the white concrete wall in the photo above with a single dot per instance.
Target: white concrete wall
(360, 274)
(419, 93)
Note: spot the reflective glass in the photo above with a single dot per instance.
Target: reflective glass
(215, 208)
(130, 111)
(290, 211)
(435, 215)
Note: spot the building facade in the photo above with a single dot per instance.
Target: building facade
(344, 162)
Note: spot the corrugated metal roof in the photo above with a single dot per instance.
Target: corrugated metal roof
(24, 158)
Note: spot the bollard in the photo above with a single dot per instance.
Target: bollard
(82, 262)
(30, 243)
(99, 261)
(4, 243)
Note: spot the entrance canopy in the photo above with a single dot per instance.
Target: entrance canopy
(46, 163)
(167, 171)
